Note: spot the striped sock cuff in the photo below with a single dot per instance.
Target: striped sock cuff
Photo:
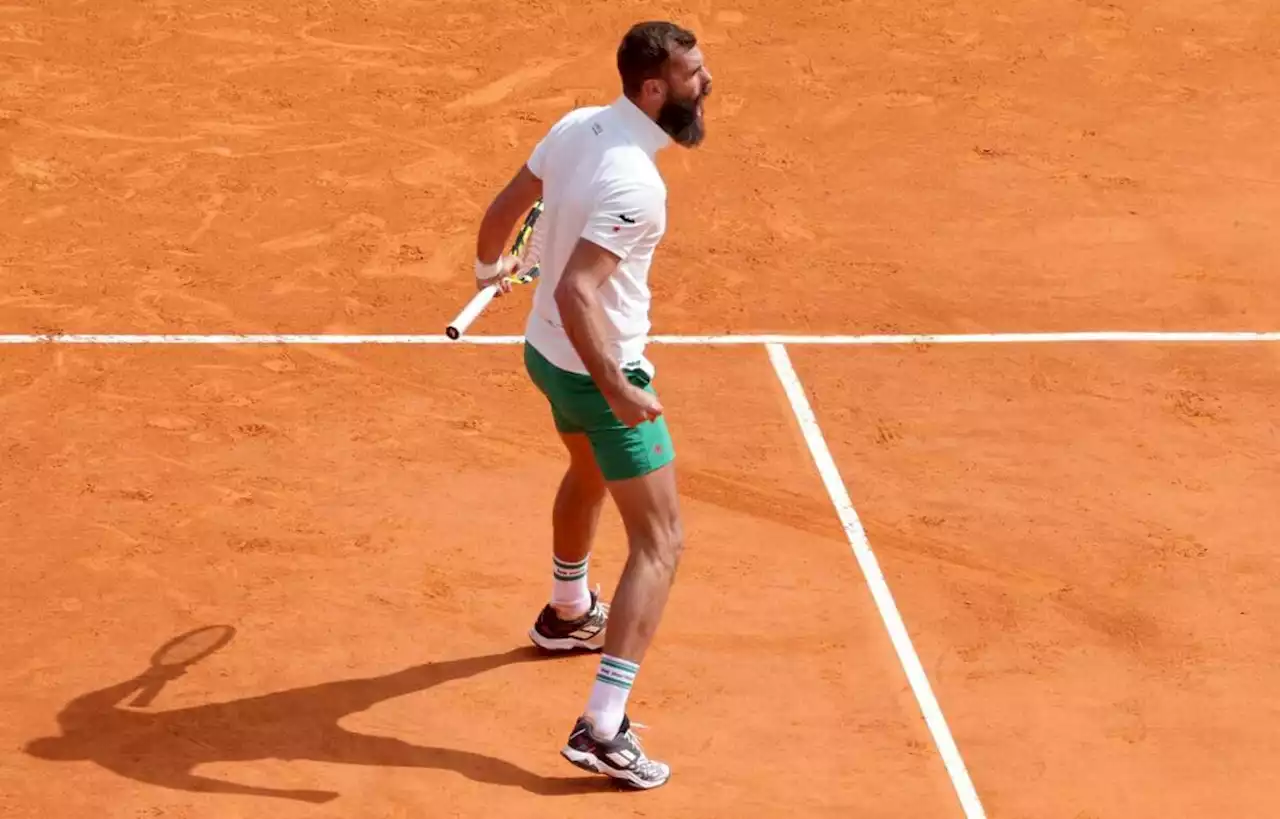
(569, 571)
(617, 672)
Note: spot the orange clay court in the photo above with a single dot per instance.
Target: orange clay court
(1080, 536)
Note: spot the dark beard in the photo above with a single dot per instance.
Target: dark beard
(679, 118)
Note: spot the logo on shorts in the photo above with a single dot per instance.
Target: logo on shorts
(628, 219)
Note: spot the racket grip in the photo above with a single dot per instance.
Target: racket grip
(469, 313)
(153, 685)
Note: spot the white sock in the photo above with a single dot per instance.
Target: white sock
(569, 593)
(608, 702)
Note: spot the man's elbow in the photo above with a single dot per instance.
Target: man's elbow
(562, 294)
(569, 293)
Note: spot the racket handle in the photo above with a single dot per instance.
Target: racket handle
(469, 313)
(149, 691)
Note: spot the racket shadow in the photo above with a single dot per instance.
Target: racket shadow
(163, 748)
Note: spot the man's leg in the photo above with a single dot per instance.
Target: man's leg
(651, 515)
(641, 480)
(574, 618)
(635, 465)
(574, 519)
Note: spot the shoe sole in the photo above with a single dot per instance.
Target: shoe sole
(588, 762)
(565, 643)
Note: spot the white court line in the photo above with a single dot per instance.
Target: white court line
(978, 338)
(253, 338)
(875, 580)
(838, 340)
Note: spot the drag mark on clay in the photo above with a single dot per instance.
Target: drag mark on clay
(498, 90)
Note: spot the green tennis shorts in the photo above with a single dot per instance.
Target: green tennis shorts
(577, 406)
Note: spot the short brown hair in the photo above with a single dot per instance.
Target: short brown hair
(645, 49)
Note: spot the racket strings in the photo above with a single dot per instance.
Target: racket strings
(192, 647)
(530, 243)
(532, 256)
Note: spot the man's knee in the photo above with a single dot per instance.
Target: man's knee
(663, 542)
(580, 490)
(650, 510)
(674, 549)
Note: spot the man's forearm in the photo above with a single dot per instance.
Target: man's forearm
(584, 324)
(495, 227)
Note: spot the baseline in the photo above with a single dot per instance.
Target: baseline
(1107, 336)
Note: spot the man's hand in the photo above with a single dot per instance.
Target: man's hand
(504, 269)
(634, 406)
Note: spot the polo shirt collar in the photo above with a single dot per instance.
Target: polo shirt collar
(645, 131)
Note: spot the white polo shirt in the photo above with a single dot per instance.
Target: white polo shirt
(599, 182)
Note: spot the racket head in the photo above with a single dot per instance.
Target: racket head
(524, 246)
(521, 242)
(173, 658)
(192, 647)
(521, 247)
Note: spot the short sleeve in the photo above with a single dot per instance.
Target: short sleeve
(625, 212)
(538, 158)
(539, 155)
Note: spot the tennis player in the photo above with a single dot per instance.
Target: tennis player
(604, 216)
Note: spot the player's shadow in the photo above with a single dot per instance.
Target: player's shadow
(164, 748)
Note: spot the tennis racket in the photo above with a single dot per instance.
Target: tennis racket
(519, 248)
(173, 658)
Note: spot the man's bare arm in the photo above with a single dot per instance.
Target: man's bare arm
(510, 205)
(577, 297)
